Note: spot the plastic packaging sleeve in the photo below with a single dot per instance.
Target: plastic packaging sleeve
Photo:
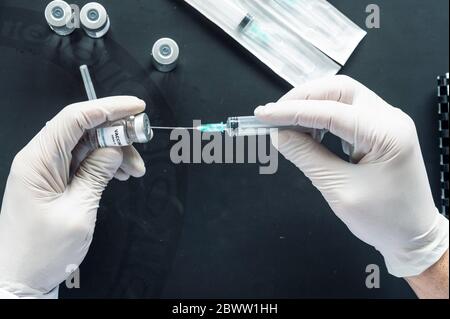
(283, 51)
(316, 21)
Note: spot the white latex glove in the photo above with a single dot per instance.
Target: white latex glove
(47, 219)
(385, 199)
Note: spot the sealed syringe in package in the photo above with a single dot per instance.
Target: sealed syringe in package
(316, 21)
(285, 52)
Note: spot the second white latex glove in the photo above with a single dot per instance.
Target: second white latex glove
(48, 218)
(384, 199)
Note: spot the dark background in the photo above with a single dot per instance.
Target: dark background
(214, 231)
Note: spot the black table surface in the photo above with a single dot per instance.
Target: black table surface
(214, 231)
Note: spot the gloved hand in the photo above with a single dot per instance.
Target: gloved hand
(384, 199)
(47, 219)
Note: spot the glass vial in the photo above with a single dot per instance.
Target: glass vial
(59, 16)
(133, 129)
(165, 53)
(95, 20)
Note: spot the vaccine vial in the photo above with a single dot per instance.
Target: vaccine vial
(59, 16)
(133, 129)
(165, 54)
(94, 20)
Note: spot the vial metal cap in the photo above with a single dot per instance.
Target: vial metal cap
(93, 16)
(165, 54)
(58, 13)
(142, 128)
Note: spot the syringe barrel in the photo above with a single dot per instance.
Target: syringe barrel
(251, 126)
(247, 126)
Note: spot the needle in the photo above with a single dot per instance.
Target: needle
(172, 128)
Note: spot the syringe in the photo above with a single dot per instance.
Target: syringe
(245, 126)
(251, 126)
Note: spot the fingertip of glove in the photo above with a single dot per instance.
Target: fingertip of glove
(258, 111)
(136, 101)
(140, 102)
(263, 110)
(141, 171)
(122, 178)
(140, 168)
(124, 101)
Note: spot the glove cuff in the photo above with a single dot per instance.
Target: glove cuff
(19, 291)
(432, 247)
(4, 294)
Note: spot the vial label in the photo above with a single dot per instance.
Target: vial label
(112, 136)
